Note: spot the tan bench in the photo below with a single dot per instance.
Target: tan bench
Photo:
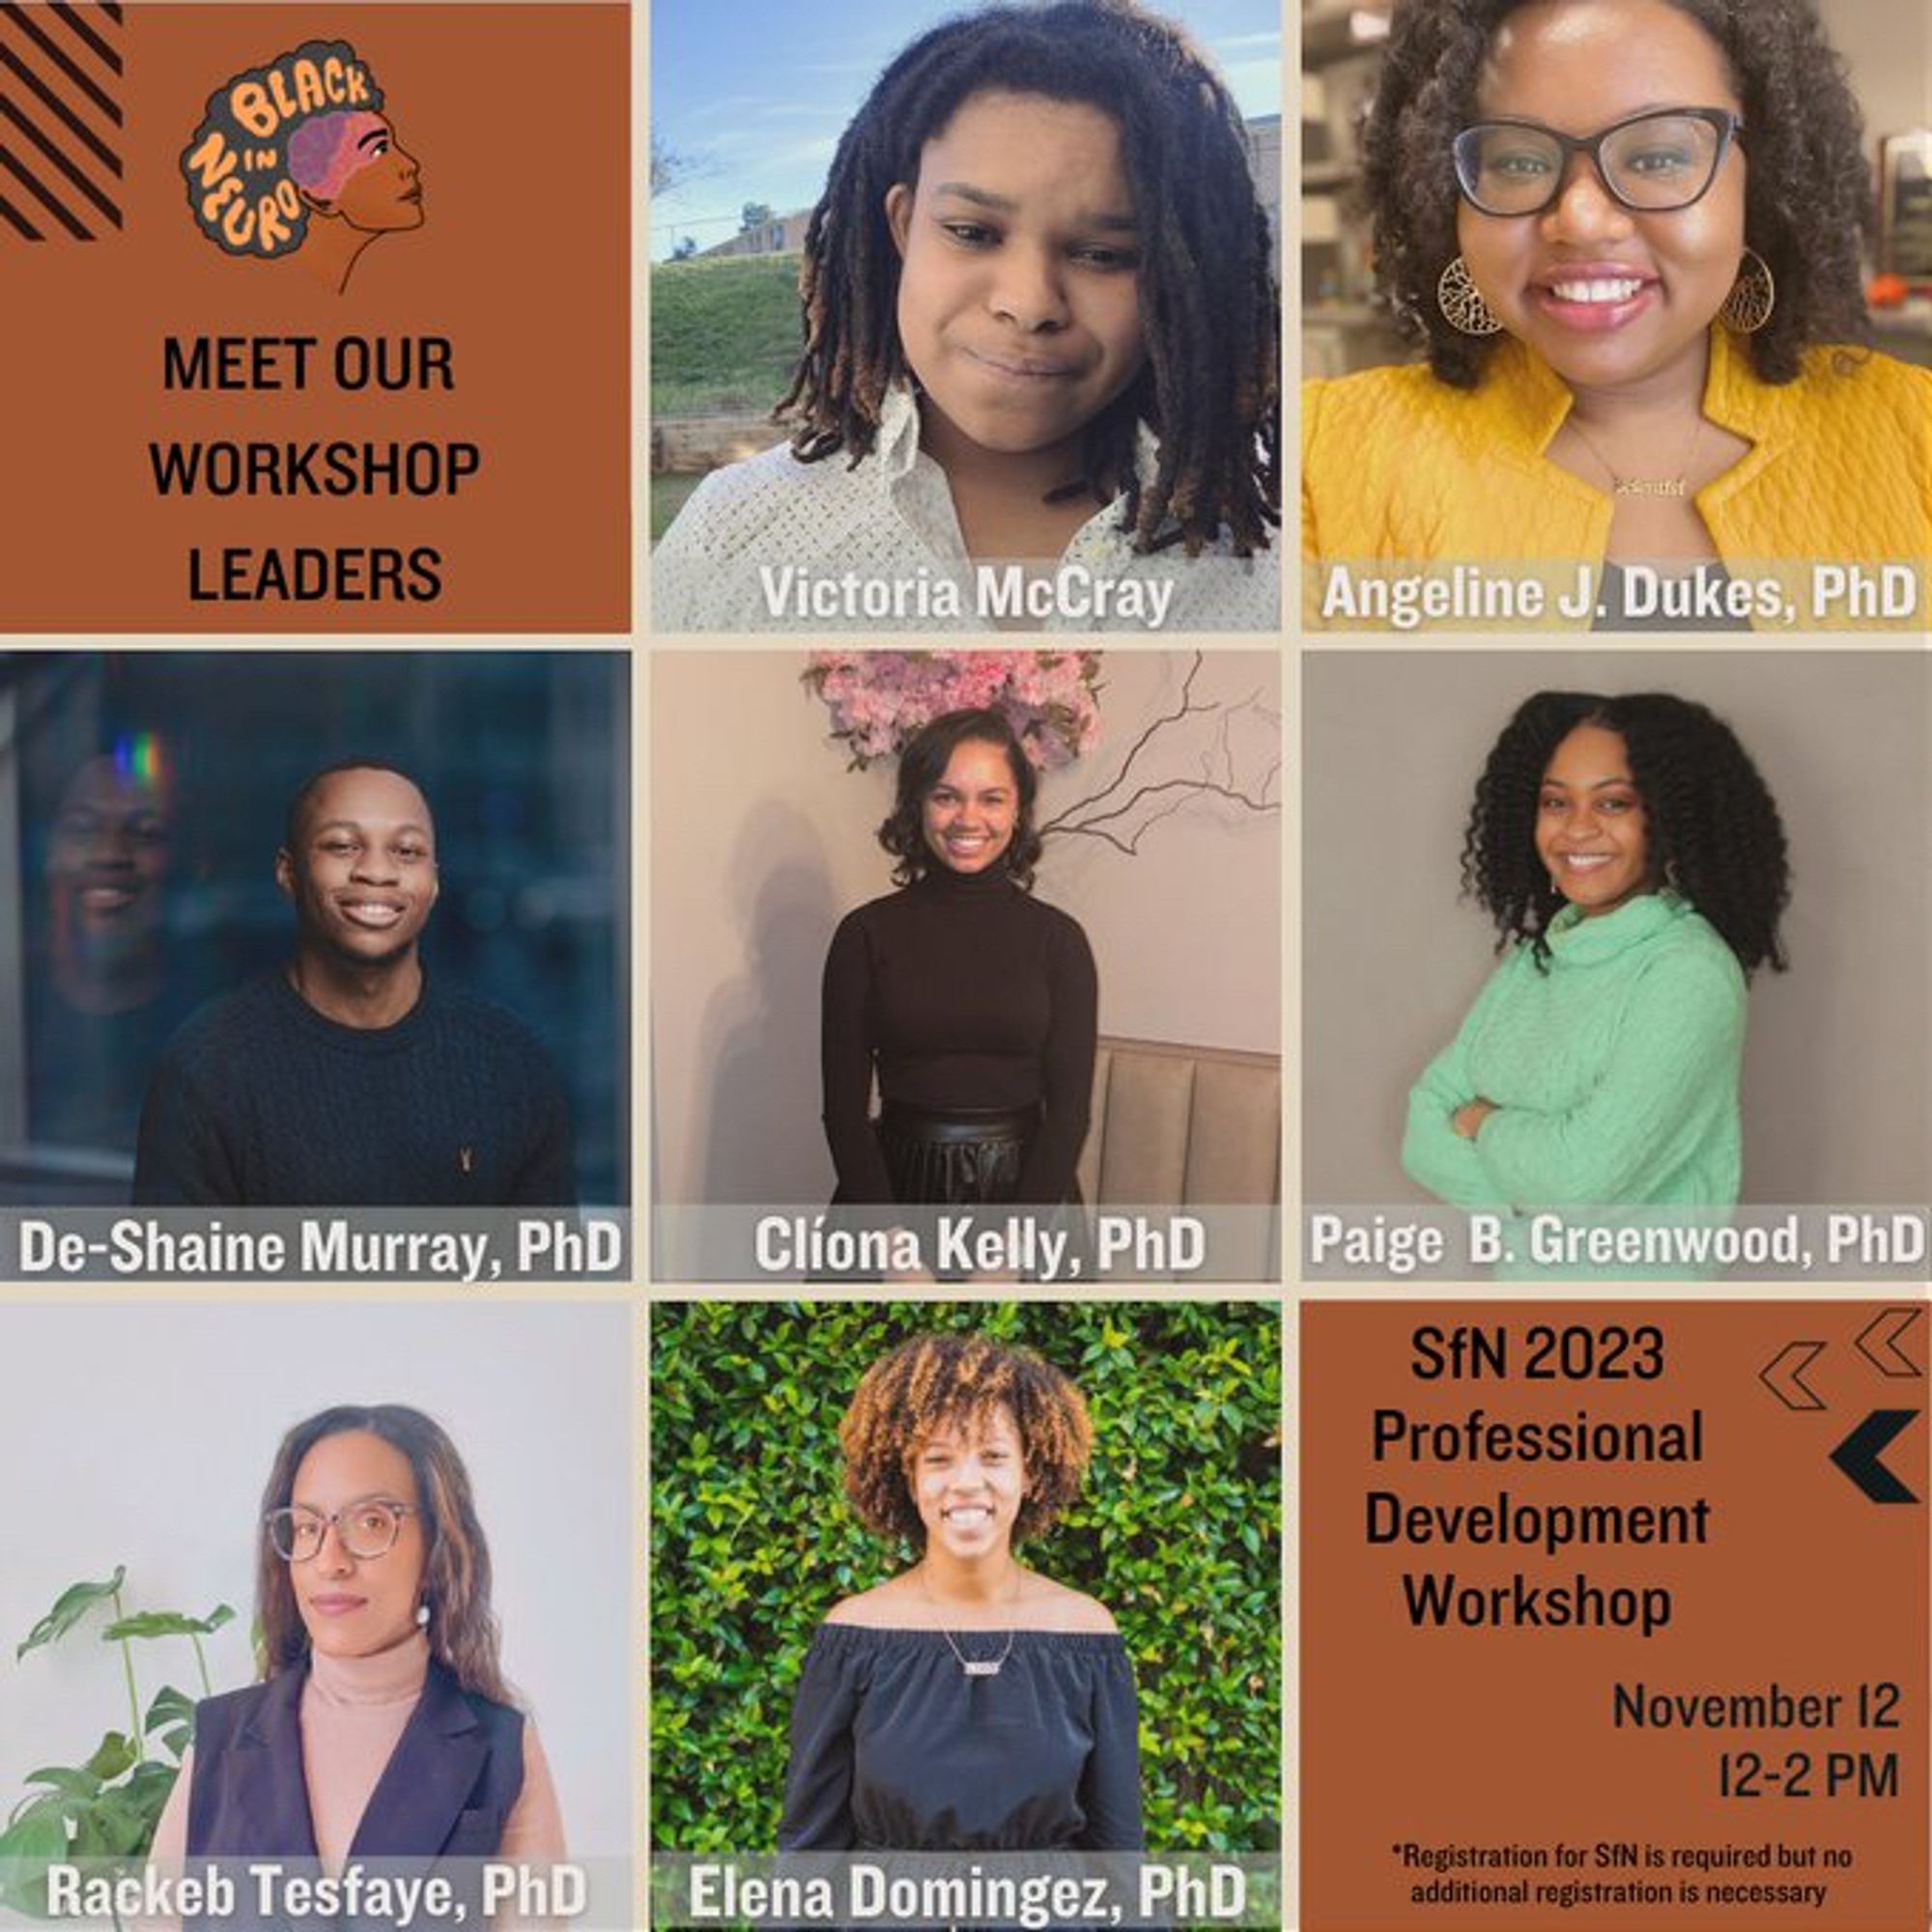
(1183, 1126)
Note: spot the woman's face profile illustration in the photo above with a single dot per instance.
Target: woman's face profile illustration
(968, 1480)
(1590, 822)
(360, 172)
(358, 1606)
(970, 814)
(298, 156)
(1608, 296)
(1019, 289)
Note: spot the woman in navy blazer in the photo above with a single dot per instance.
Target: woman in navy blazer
(383, 1727)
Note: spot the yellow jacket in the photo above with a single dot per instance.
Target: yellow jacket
(1399, 469)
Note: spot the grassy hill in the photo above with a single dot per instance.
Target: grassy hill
(724, 333)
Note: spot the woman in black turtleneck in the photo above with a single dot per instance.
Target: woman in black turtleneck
(975, 1002)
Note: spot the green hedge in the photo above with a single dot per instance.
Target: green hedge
(1178, 1533)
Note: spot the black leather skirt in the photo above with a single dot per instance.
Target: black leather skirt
(953, 1159)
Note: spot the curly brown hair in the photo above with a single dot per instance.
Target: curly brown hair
(1808, 198)
(935, 1380)
(456, 1563)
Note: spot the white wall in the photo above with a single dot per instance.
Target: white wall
(761, 841)
(142, 1435)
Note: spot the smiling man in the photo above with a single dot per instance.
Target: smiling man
(347, 1077)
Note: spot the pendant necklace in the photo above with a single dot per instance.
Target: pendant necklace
(970, 1666)
(1644, 486)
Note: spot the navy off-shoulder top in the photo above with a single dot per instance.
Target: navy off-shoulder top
(894, 1748)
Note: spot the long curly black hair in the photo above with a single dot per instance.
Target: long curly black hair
(1808, 199)
(1210, 313)
(1711, 824)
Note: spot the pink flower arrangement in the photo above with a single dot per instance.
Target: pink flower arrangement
(879, 699)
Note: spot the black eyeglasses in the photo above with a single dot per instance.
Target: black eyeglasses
(1652, 163)
(366, 1529)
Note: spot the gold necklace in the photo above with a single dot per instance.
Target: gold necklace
(970, 1666)
(1644, 486)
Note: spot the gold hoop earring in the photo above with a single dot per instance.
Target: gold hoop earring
(1462, 302)
(1753, 296)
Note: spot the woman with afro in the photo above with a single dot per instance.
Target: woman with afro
(1627, 234)
(1040, 327)
(1632, 862)
(969, 1703)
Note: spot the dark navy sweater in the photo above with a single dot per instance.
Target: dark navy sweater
(259, 1101)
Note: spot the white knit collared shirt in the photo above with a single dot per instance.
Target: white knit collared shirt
(774, 543)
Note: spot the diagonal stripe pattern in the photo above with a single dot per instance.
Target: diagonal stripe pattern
(60, 118)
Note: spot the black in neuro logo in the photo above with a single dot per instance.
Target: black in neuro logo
(298, 158)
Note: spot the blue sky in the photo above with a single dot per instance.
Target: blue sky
(757, 92)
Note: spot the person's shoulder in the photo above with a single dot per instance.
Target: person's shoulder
(226, 1023)
(463, 1009)
(740, 502)
(1692, 952)
(1401, 394)
(1854, 404)
(1060, 923)
(494, 1713)
(220, 1718)
(233, 1703)
(1831, 366)
(1058, 1606)
(875, 1609)
(865, 921)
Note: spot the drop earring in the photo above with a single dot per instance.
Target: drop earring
(1461, 302)
(1752, 297)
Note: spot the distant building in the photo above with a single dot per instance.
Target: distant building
(782, 236)
(786, 234)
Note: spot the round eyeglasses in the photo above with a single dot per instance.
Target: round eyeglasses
(365, 1529)
(1652, 163)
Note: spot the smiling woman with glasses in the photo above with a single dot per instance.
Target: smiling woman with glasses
(1628, 235)
(383, 1727)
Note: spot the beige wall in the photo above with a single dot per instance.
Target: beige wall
(761, 841)
(1837, 1102)
(1888, 47)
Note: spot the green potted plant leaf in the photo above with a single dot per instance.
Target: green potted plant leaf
(107, 1806)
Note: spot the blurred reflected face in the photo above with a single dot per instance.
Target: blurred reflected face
(350, 1605)
(970, 815)
(364, 879)
(1590, 825)
(109, 853)
(968, 1480)
(1605, 295)
(1019, 295)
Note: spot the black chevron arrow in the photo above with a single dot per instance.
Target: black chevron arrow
(1859, 1453)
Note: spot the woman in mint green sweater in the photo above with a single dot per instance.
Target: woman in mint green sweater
(1632, 862)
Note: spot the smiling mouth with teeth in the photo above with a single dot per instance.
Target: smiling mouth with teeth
(1619, 288)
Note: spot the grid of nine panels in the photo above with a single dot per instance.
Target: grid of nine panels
(646, 839)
